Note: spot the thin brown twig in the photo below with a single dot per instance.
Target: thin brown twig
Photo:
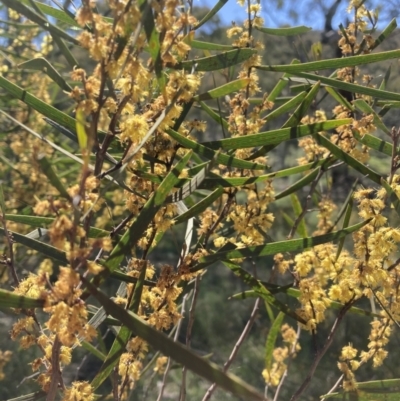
(305, 206)
(115, 385)
(236, 348)
(285, 374)
(394, 164)
(9, 261)
(55, 370)
(334, 387)
(393, 265)
(221, 216)
(189, 333)
(147, 367)
(321, 353)
(167, 368)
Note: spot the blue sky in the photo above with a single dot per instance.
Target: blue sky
(274, 18)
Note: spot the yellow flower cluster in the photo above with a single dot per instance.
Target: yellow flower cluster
(273, 375)
(310, 147)
(79, 391)
(379, 338)
(324, 276)
(158, 307)
(5, 356)
(326, 207)
(347, 365)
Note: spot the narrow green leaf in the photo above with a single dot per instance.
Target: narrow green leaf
(41, 64)
(119, 275)
(38, 395)
(2, 203)
(385, 79)
(175, 350)
(333, 63)
(47, 250)
(289, 31)
(34, 221)
(65, 51)
(353, 88)
(154, 45)
(44, 108)
(339, 98)
(193, 184)
(269, 310)
(10, 300)
(119, 344)
(379, 384)
(276, 247)
(197, 44)
(210, 154)
(275, 137)
(182, 117)
(363, 106)
(374, 143)
(137, 295)
(214, 180)
(65, 131)
(200, 206)
(271, 339)
(39, 221)
(223, 90)
(288, 219)
(100, 315)
(349, 160)
(48, 171)
(392, 196)
(217, 62)
(135, 231)
(299, 88)
(54, 12)
(298, 209)
(385, 33)
(377, 390)
(215, 116)
(346, 222)
(286, 107)
(93, 350)
(280, 85)
(262, 291)
(302, 109)
(81, 129)
(72, 134)
(211, 13)
(343, 208)
(65, 152)
(298, 184)
(38, 19)
(295, 293)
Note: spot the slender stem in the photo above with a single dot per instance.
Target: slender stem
(9, 261)
(115, 385)
(167, 368)
(189, 333)
(56, 373)
(305, 206)
(322, 352)
(236, 348)
(334, 386)
(292, 352)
